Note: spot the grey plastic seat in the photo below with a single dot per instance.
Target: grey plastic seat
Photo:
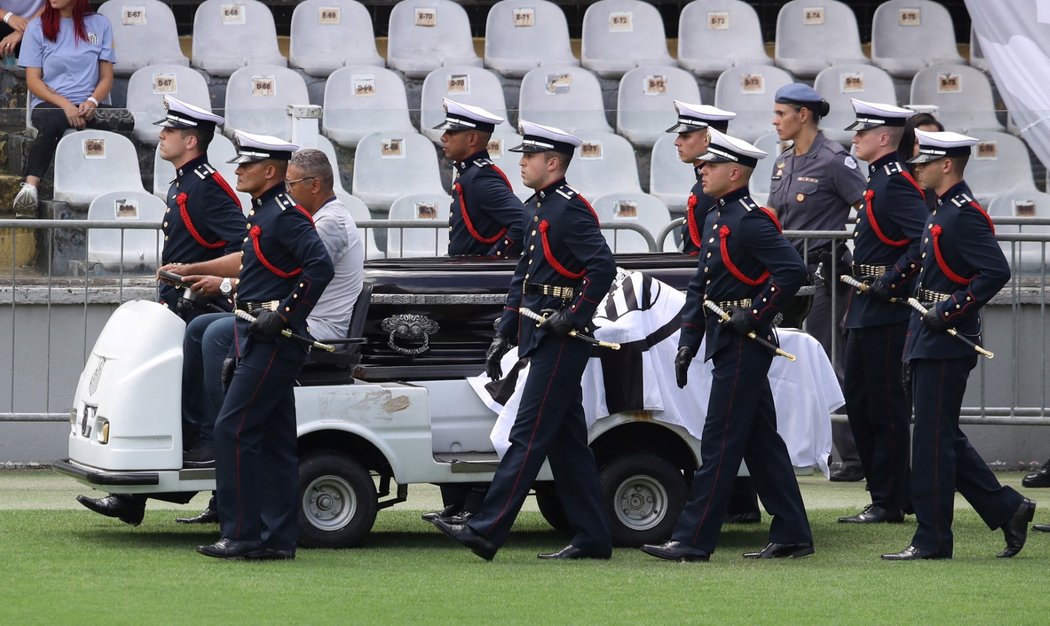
(908, 35)
(748, 91)
(645, 101)
(619, 35)
(1024, 256)
(359, 211)
(715, 35)
(962, 95)
(604, 164)
(999, 164)
(813, 34)
(388, 165)
(638, 208)
(147, 88)
(257, 99)
(976, 54)
(229, 36)
(329, 34)
(761, 177)
(91, 162)
(512, 29)
(670, 180)
(361, 100)
(428, 34)
(428, 208)
(838, 83)
(462, 83)
(563, 96)
(220, 151)
(144, 33)
(129, 249)
(509, 162)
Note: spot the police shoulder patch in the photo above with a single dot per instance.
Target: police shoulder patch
(850, 162)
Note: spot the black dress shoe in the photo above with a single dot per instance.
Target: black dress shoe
(199, 456)
(847, 474)
(459, 518)
(270, 554)
(1038, 478)
(874, 514)
(571, 552)
(911, 553)
(676, 551)
(207, 516)
(1043, 528)
(446, 512)
(465, 535)
(1016, 530)
(781, 551)
(751, 517)
(229, 549)
(126, 508)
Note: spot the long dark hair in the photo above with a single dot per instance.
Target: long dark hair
(907, 145)
(51, 18)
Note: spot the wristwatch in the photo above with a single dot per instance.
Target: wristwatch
(226, 287)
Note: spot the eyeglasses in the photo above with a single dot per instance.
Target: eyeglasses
(288, 183)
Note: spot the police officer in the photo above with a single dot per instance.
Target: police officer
(961, 268)
(284, 269)
(692, 125)
(485, 217)
(814, 184)
(887, 235)
(567, 268)
(749, 269)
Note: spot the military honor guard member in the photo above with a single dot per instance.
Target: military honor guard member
(204, 219)
(284, 268)
(749, 269)
(485, 217)
(888, 230)
(566, 269)
(961, 268)
(692, 125)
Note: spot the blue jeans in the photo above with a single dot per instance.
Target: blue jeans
(205, 346)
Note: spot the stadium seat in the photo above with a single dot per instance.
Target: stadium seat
(229, 36)
(512, 29)
(645, 101)
(428, 208)
(748, 91)
(129, 249)
(509, 162)
(715, 35)
(388, 165)
(428, 34)
(638, 208)
(619, 35)
(144, 34)
(999, 164)
(147, 88)
(257, 99)
(359, 211)
(976, 54)
(838, 83)
(814, 34)
(604, 164)
(962, 95)
(563, 96)
(1026, 203)
(220, 151)
(91, 162)
(669, 179)
(463, 83)
(908, 35)
(761, 177)
(1024, 256)
(329, 34)
(361, 100)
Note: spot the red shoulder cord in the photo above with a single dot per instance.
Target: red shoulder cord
(723, 234)
(470, 225)
(915, 184)
(773, 216)
(947, 271)
(255, 232)
(690, 218)
(984, 215)
(185, 215)
(225, 186)
(549, 255)
(868, 195)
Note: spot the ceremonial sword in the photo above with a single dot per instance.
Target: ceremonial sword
(717, 310)
(863, 287)
(248, 317)
(915, 304)
(541, 319)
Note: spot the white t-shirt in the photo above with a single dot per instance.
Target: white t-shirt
(330, 317)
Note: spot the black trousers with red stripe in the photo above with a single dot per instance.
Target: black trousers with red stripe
(742, 425)
(256, 458)
(550, 425)
(879, 411)
(943, 459)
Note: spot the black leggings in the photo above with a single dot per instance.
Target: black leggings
(51, 123)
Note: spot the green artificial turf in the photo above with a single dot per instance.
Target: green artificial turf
(67, 565)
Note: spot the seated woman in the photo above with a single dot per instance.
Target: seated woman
(68, 56)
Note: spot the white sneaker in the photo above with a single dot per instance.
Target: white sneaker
(26, 200)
